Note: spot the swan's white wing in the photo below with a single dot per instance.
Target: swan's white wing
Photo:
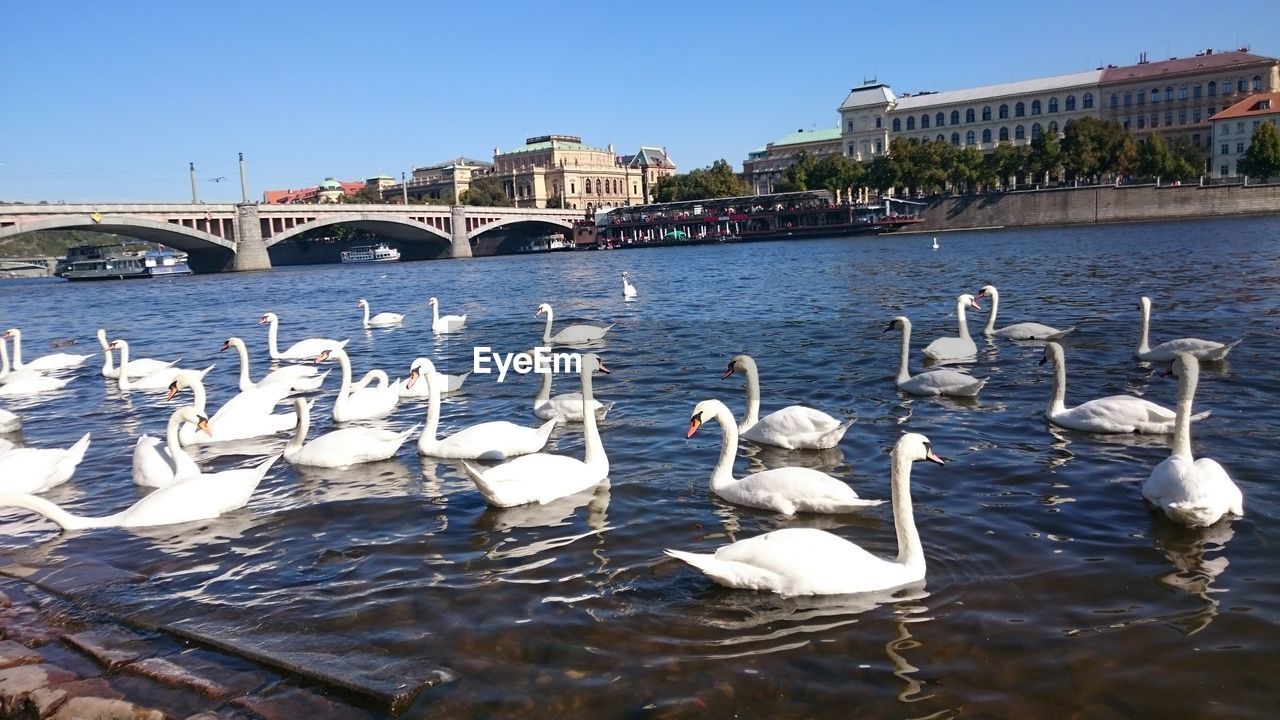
(1118, 414)
(539, 478)
(1202, 349)
(943, 382)
(1030, 331)
(951, 348)
(795, 489)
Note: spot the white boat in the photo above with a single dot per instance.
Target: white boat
(371, 254)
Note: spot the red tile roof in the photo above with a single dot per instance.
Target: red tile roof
(1252, 105)
(1178, 66)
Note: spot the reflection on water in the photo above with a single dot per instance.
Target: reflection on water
(1044, 592)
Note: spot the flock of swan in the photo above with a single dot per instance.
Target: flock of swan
(794, 561)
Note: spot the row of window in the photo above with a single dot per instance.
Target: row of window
(1195, 117)
(1196, 91)
(1019, 133)
(970, 116)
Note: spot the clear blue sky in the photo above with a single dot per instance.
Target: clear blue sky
(110, 101)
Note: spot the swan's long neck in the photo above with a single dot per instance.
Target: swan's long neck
(433, 404)
(366, 314)
(722, 475)
(123, 380)
(903, 374)
(1142, 334)
(1058, 400)
(300, 435)
(272, 330)
(435, 312)
(4, 357)
(910, 552)
(546, 330)
(595, 448)
(753, 397)
(544, 392)
(198, 396)
(52, 512)
(990, 329)
(172, 442)
(1182, 422)
(246, 382)
(345, 390)
(17, 348)
(107, 363)
(964, 324)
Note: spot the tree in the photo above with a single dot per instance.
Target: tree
(367, 194)
(795, 178)
(1093, 147)
(486, 191)
(717, 181)
(1044, 159)
(837, 173)
(882, 173)
(1262, 159)
(965, 172)
(1154, 158)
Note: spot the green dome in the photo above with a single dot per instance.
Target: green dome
(330, 184)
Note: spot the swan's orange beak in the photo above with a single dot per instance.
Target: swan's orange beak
(203, 424)
(262, 320)
(538, 313)
(322, 357)
(695, 422)
(413, 377)
(173, 390)
(225, 345)
(604, 369)
(728, 372)
(974, 304)
(933, 457)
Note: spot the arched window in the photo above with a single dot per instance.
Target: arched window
(955, 117)
(1035, 107)
(969, 115)
(1020, 109)
(1004, 134)
(1155, 95)
(1071, 103)
(1115, 100)
(897, 124)
(955, 138)
(1257, 83)
(924, 121)
(1004, 112)
(1053, 105)
(941, 119)
(986, 135)
(1197, 91)
(911, 122)
(986, 113)
(573, 187)
(1019, 133)
(940, 138)
(587, 184)
(969, 138)
(1053, 127)
(1240, 86)
(1087, 101)
(1128, 98)
(1036, 131)
(1213, 89)
(1168, 92)
(1182, 92)
(1142, 97)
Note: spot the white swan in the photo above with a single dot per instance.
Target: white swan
(795, 427)
(445, 383)
(199, 497)
(1112, 414)
(382, 319)
(1190, 491)
(1018, 331)
(341, 448)
(35, 470)
(807, 561)
(571, 335)
(956, 348)
(942, 381)
(53, 361)
(299, 378)
(1203, 350)
(138, 367)
(156, 463)
(359, 403)
(19, 383)
(158, 380)
(495, 440)
(444, 324)
(543, 477)
(301, 350)
(9, 422)
(566, 406)
(628, 290)
(787, 490)
(246, 415)
(935, 243)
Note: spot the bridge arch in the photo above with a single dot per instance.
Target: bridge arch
(206, 252)
(529, 221)
(397, 228)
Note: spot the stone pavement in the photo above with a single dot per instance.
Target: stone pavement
(64, 662)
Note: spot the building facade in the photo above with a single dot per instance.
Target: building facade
(764, 167)
(328, 191)
(443, 182)
(1233, 129)
(561, 171)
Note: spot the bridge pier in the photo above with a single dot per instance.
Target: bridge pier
(251, 251)
(458, 226)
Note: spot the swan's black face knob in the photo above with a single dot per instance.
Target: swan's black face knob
(1044, 358)
(173, 390)
(890, 325)
(694, 423)
(414, 373)
(225, 345)
(323, 356)
(728, 372)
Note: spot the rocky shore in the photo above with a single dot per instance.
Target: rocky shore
(62, 661)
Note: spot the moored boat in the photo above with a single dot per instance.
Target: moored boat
(371, 254)
(107, 262)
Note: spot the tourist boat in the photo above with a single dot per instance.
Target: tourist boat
(371, 254)
(107, 262)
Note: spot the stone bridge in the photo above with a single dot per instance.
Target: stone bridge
(220, 237)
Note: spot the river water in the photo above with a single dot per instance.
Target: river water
(1052, 590)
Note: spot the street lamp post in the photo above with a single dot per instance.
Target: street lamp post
(244, 187)
(195, 197)
(404, 186)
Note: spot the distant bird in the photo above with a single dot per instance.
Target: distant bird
(217, 179)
